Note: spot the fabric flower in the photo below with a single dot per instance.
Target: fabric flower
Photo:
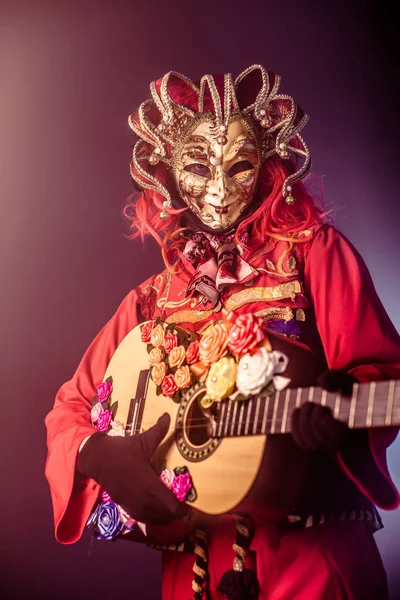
(213, 343)
(117, 429)
(105, 497)
(155, 356)
(157, 336)
(109, 524)
(170, 341)
(192, 352)
(246, 334)
(168, 386)
(183, 377)
(104, 420)
(167, 478)
(177, 356)
(126, 518)
(158, 373)
(104, 390)
(96, 412)
(257, 370)
(146, 331)
(181, 485)
(221, 379)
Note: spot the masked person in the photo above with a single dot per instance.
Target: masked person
(219, 166)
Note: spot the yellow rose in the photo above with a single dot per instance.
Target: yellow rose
(157, 336)
(213, 343)
(155, 356)
(183, 377)
(158, 373)
(177, 356)
(221, 379)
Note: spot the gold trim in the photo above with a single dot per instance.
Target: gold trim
(191, 316)
(263, 294)
(164, 296)
(269, 314)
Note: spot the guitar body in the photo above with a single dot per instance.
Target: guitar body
(234, 474)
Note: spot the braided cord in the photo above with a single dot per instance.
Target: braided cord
(200, 566)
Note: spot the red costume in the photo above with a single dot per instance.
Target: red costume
(318, 289)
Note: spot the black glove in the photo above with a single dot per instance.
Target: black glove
(313, 426)
(121, 465)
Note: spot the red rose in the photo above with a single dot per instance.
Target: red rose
(146, 331)
(245, 335)
(170, 341)
(168, 386)
(192, 352)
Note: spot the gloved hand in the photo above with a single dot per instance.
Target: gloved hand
(121, 465)
(313, 426)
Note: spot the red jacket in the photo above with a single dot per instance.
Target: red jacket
(320, 282)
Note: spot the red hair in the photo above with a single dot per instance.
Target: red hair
(270, 216)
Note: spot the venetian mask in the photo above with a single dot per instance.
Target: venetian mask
(216, 172)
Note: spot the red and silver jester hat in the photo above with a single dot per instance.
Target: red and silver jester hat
(178, 106)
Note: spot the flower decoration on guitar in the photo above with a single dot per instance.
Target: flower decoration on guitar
(233, 357)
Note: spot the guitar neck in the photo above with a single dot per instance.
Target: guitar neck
(375, 404)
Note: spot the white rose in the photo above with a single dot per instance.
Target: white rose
(117, 429)
(257, 370)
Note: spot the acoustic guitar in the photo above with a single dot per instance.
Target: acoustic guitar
(233, 452)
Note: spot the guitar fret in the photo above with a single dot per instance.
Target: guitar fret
(221, 423)
(249, 406)
(336, 411)
(311, 394)
(298, 397)
(227, 417)
(240, 417)
(277, 395)
(264, 421)
(256, 415)
(353, 405)
(233, 418)
(323, 398)
(285, 411)
(371, 399)
(389, 409)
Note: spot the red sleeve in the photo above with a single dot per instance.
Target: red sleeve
(68, 423)
(358, 337)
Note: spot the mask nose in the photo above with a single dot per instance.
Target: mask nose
(219, 187)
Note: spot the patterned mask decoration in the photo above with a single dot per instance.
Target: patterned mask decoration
(213, 137)
(216, 174)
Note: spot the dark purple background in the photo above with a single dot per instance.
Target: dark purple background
(70, 73)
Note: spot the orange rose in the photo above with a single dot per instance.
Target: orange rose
(183, 377)
(157, 336)
(177, 356)
(213, 343)
(155, 356)
(158, 373)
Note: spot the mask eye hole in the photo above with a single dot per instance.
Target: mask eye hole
(239, 167)
(199, 169)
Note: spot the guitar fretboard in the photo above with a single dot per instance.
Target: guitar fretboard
(375, 404)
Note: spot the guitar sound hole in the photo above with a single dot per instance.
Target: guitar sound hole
(197, 425)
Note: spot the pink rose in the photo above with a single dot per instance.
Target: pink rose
(246, 334)
(104, 390)
(167, 477)
(105, 496)
(168, 386)
(170, 341)
(181, 485)
(96, 412)
(146, 331)
(192, 352)
(104, 420)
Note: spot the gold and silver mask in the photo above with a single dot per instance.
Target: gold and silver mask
(216, 171)
(213, 136)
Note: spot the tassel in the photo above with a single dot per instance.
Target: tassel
(239, 583)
